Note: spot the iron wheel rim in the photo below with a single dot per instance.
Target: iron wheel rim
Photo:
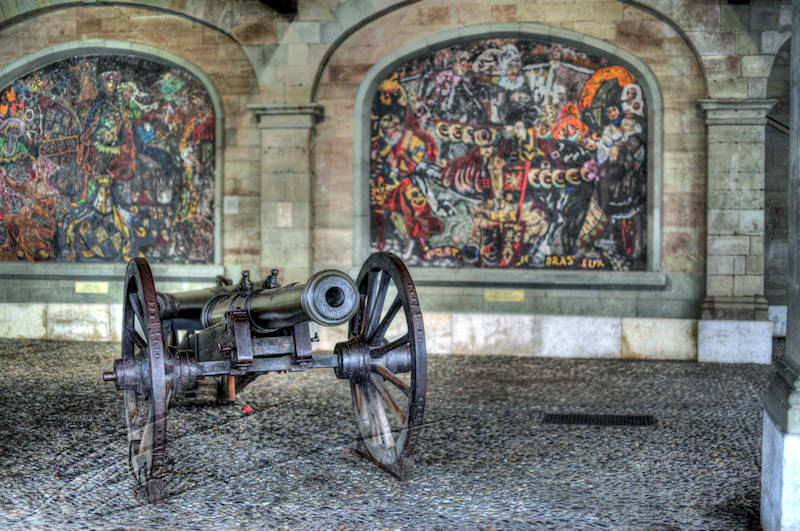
(373, 410)
(145, 407)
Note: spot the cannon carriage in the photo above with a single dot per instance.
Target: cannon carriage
(236, 332)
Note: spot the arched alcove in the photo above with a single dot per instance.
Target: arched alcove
(410, 185)
(109, 151)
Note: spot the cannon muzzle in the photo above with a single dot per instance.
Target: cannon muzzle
(329, 298)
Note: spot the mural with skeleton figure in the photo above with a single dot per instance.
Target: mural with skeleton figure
(103, 158)
(510, 153)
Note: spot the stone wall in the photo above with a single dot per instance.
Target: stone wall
(679, 77)
(290, 194)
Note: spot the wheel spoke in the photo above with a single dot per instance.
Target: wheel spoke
(361, 406)
(133, 299)
(381, 351)
(133, 335)
(359, 319)
(131, 412)
(369, 419)
(138, 319)
(146, 442)
(390, 401)
(381, 329)
(376, 306)
(391, 377)
(380, 416)
(372, 289)
(141, 413)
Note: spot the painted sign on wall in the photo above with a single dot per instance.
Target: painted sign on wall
(510, 153)
(103, 158)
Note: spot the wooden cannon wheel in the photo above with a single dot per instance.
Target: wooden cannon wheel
(145, 407)
(389, 404)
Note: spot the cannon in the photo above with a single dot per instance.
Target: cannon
(236, 332)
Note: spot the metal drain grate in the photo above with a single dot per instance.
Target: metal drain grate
(598, 420)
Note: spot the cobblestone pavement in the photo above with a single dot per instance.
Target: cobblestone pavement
(485, 460)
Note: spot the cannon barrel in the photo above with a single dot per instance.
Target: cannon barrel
(188, 304)
(328, 298)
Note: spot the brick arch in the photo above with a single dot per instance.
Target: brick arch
(670, 13)
(254, 27)
(700, 25)
(343, 28)
(52, 54)
(211, 14)
(223, 59)
(258, 29)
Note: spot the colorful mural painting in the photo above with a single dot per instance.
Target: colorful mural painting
(510, 153)
(103, 158)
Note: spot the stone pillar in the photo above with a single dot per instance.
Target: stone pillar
(734, 314)
(780, 456)
(287, 137)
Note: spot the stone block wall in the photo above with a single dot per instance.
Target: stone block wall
(735, 225)
(669, 57)
(287, 188)
(288, 196)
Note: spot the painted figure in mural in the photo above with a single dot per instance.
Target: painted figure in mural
(103, 227)
(510, 153)
(451, 91)
(477, 174)
(106, 158)
(403, 155)
(28, 205)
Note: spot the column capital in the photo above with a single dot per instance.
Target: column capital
(736, 111)
(287, 116)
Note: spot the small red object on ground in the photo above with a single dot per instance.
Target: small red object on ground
(247, 409)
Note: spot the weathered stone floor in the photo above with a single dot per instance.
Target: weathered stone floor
(485, 461)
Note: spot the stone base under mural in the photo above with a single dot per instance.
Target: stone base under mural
(734, 341)
(61, 321)
(556, 336)
(469, 333)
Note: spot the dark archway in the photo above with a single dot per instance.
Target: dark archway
(776, 174)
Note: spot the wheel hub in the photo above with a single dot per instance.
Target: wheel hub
(133, 374)
(354, 360)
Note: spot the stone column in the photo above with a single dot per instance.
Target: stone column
(734, 315)
(780, 456)
(287, 137)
